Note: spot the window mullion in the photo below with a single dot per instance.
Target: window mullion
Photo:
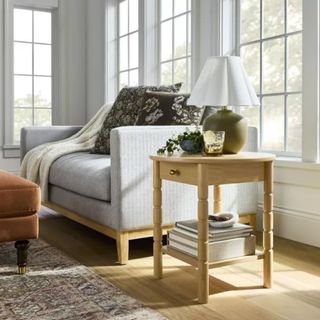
(285, 77)
(261, 76)
(141, 41)
(129, 82)
(278, 36)
(187, 48)
(173, 40)
(32, 88)
(118, 46)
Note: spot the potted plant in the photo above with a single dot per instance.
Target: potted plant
(190, 141)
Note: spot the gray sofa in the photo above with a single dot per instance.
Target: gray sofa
(113, 193)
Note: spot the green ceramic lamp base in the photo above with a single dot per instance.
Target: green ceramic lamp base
(234, 125)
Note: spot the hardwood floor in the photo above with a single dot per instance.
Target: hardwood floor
(235, 291)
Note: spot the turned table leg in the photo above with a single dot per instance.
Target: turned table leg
(217, 199)
(22, 255)
(268, 225)
(203, 269)
(157, 221)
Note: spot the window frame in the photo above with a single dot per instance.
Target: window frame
(206, 15)
(9, 6)
(128, 34)
(149, 45)
(285, 93)
(189, 51)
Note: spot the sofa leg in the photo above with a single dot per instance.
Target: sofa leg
(123, 247)
(22, 255)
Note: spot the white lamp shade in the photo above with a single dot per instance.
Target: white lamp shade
(223, 82)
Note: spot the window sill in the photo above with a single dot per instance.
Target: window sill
(11, 147)
(295, 163)
(11, 151)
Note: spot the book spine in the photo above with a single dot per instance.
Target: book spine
(221, 250)
(183, 248)
(232, 248)
(193, 242)
(218, 237)
(213, 232)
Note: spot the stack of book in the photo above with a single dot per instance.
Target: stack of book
(224, 243)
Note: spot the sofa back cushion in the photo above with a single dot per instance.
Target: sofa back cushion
(125, 111)
(162, 108)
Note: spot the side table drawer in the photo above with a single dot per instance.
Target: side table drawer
(179, 172)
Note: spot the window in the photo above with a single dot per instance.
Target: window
(153, 43)
(175, 42)
(30, 64)
(32, 69)
(128, 43)
(270, 46)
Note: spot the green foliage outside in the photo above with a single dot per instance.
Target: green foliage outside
(272, 110)
(23, 114)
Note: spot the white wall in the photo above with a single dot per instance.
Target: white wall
(95, 56)
(206, 38)
(72, 62)
(296, 201)
(8, 164)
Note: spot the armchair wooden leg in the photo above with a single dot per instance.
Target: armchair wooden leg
(123, 247)
(22, 255)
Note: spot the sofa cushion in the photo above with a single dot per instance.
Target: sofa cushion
(83, 173)
(125, 111)
(18, 197)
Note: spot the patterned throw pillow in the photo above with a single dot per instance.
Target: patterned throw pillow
(125, 111)
(168, 109)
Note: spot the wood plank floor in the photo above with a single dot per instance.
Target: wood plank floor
(235, 291)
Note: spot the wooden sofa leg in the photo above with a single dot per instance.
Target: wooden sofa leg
(123, 247)
(22, 255)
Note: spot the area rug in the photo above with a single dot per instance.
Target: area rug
(57, 287)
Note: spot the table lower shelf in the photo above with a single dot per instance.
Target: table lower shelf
(194, 261)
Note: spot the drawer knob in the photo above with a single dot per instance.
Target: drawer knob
(174, 172)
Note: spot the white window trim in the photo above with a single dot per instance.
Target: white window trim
(9, 5)
(111, 50)
(310, 81)
(188, 13)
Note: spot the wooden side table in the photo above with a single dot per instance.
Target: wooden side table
(202, 172)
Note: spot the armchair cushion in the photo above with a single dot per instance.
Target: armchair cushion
(18, 197)
(83, 173)
(124, 112)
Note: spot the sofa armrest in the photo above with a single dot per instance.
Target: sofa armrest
(131, 172)
(34, 136)
(131, 180)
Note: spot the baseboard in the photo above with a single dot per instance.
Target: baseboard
(294, 225)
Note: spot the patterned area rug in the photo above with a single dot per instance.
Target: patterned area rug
(57, 287)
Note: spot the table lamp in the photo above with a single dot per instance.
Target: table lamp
(223, 82)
